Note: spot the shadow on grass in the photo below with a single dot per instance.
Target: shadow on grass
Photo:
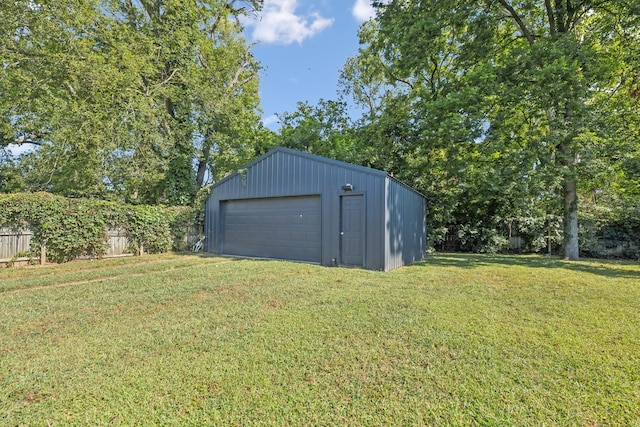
(228, 257)
(605, 268)
(202, 254)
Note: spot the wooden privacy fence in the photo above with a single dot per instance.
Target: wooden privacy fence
(14, 241)
(17, 241)
(118, 242)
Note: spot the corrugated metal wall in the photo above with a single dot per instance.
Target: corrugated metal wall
(283, 172)
(406, 227)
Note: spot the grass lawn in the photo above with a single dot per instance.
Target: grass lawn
(187, 340)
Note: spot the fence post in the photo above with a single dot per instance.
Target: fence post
(141, 249)
(43, 253)
(549, 238)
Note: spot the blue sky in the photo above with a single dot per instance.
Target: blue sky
(303, 45)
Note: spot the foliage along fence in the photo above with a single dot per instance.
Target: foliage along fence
(599, 238)
(15, 244)
(609, 230)
(64, 229)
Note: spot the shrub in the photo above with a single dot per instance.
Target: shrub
(70, 228)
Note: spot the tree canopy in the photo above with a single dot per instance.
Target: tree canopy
(505, 106)
(142, 101)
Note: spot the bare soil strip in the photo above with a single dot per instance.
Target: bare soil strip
(106, 278)
(48, 266)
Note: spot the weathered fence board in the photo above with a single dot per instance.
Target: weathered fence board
(14, 241)
(117, 240)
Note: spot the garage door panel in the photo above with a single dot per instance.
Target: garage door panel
(286, 227)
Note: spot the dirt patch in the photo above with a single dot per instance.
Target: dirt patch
(107, 278)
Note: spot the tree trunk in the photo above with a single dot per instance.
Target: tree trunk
(569, 159)
(570, 223)
(203, 162)
(202, 169)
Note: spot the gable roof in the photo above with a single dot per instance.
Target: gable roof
(305, 155)
(320, 159)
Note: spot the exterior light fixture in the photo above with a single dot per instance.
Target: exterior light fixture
(243, 176)
(347, 187)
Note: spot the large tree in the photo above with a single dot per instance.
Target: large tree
(139, 100)
(516, 83)
(324, 129)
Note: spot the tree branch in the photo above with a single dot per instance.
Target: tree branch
(570, 14)
(31, 138)
(131, 14)
(519, 21)
(581, 11)
(432, 77)
(560, 14)
(168, 79)
(239, 83)
(397, 79)
(236, 82)
(552, 19)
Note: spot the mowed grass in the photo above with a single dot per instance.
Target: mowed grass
(454, 340)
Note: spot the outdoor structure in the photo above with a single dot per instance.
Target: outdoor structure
(298, 206)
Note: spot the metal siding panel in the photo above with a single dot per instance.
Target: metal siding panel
(261, 188)
(285, 169)
(288, 173)
(251, 181)
(312, 176)
(208, 214)
(281, 176)
(285, 175)
(269, 176)
(264, 177)
(299, 173)
(330, 230)
(275, 174)
(333, 192)
(406, 236)
(256, 180)
(317, 174)
(211, 216)
(256, 189)
(378, 223)
(294, 172)
(388, 261)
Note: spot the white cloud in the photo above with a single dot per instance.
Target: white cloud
(363, 11)
(271, 120)
(278, 23)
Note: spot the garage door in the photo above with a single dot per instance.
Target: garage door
(285, 228)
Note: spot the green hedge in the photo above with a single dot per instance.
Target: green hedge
(604, 232)
(78, 227)
(610, 232)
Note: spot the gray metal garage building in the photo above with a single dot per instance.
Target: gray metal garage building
(298, 206)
